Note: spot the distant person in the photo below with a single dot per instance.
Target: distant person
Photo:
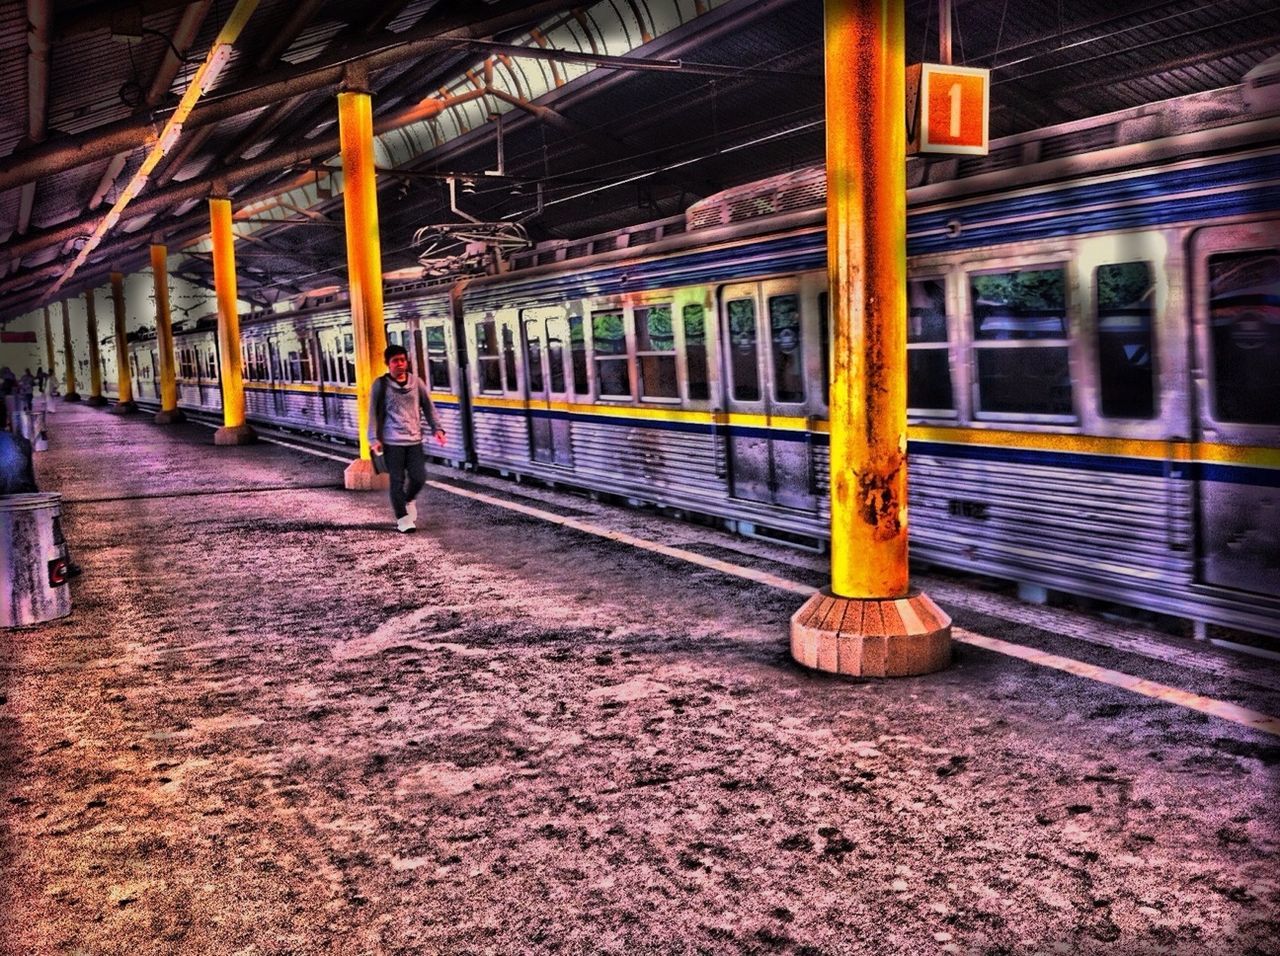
(26, 388)
(396, 407)
(8, 398)
(17, 473)
(42, 377)
(18, 477)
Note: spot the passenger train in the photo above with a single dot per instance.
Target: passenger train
(1093, 360)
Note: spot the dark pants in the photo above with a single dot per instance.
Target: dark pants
(407, 468)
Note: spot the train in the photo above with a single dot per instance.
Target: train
(1093, 360)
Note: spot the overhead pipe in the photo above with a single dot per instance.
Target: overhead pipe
(62, 154)
(207, 73)
(183, 36)
(39, 13)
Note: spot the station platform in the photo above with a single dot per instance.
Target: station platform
(544, 723)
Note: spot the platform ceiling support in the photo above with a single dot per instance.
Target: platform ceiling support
(169, 411)
(69, 355)
(234, 430)
(183, 36)
(869, 622)
(39, 15)
(48, 342)
(124, 382)
(95, 357)
(364, 266)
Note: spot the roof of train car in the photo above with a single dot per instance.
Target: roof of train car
(605, 143)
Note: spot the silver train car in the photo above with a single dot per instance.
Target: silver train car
(1093, 346)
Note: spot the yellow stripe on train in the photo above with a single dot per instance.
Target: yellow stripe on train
(1152, 449)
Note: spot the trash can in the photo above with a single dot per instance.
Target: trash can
(33, 560)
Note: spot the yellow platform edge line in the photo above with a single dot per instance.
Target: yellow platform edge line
(1148, 688)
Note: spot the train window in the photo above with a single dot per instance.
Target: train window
(613, 369)
(213, 365)
(533, 356)
(1244, 328)
(1020, 341)
(305, 362)
(555, 354)
(488, 361)
(578, 353)
(784, 343)
(330, 359)
(273, 350)
(509, 357)
(349, 359)
(744, 349)
(437, 357)
(1125, 296)
(824, 332)
(656, 352)
(928, 366)
(295, 366)
(695, 350)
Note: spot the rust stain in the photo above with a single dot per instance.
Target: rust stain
(878, 502)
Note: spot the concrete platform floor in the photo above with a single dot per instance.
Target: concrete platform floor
(272, 725)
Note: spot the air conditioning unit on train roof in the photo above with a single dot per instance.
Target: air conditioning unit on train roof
(801, 189)
(1262, 86)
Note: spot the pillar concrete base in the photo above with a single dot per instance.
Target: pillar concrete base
(235, 435)
(360, 476)
(97, 401)
(865, 637)
(71, 397)
(171, 417)
(123, 408)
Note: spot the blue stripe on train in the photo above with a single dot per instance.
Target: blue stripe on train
(1075, 461)
(1052, 213)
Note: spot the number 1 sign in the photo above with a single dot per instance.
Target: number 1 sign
(947, 109)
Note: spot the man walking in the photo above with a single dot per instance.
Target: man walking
(396, 407)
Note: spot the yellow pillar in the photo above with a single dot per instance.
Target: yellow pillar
(169, 411)
(364, 265)
(234, 430)
(124, 381)
(868, 622)
(95, 359)
(48, 343)
(69, 355)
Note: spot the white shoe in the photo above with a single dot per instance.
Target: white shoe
(412, 508)
(405, 525)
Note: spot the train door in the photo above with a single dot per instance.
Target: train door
(155, 373)
(1236, 314)
(769, 447)
(417, 353)
(540, 333)
(279, 396)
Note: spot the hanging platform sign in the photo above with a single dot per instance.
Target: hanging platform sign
(947, 109)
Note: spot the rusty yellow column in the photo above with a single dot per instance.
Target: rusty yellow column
(124, 381)
(869, 622)
(69, 355)
(95, 359)
(234, 430)
(48, 343)
(169, 411)
(364, 266)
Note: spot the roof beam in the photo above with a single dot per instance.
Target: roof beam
(59, 155)
(185, 35)
(39, 13)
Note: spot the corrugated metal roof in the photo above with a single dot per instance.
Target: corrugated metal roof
(1053, 62)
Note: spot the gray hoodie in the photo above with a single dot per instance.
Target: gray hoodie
(395, 411)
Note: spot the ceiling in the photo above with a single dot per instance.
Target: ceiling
(712, 93)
